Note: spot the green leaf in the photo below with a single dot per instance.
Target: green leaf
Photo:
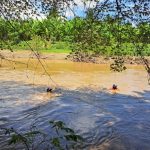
(56, 142)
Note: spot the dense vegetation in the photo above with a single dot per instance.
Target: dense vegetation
(109, 36)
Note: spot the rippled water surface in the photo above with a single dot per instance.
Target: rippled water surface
(107, 121)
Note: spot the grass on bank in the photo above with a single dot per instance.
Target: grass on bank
(43, 46)
(38, 44)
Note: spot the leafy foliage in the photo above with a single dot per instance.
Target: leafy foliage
(63, 137)
(79, 34)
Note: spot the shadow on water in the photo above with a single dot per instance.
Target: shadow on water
(106, 121)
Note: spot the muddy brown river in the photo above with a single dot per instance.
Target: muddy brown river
(107, 121)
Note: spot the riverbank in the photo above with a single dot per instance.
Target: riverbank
(131, 60)
(29, 54)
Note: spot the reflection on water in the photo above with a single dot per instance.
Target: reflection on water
(107, 121)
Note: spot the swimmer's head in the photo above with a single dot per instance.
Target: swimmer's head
(114, 86)
(49, 89)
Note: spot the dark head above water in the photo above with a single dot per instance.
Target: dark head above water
(114, 87)
(49, 90)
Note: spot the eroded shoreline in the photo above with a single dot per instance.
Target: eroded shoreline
(128, 60)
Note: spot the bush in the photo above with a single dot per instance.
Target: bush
(61, 137)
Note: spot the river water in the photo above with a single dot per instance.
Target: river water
(107, 121)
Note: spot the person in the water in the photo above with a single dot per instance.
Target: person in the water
(49, 90)
(114, 87)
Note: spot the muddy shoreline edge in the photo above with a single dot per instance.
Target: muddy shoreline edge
(129, 60)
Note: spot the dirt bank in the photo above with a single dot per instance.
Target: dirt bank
(132, 60)
(29, 54)
(63, 56)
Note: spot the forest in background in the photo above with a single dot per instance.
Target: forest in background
(109, 37)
